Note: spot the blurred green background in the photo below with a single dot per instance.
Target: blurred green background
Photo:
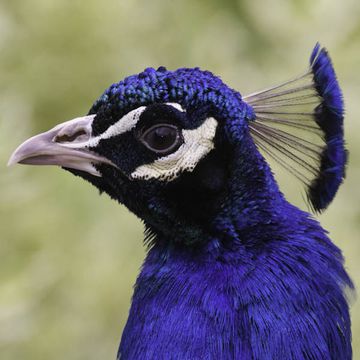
(69, 257)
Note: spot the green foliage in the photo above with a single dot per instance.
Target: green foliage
(69, 257)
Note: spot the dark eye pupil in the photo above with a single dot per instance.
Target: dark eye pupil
(161, 138)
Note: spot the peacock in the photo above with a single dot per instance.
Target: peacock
(233, 270)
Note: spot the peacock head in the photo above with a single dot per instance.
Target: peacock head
(180, 148)
(159, 142)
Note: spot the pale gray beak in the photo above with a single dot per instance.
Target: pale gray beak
(65, 145)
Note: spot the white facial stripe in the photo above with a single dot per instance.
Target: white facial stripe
(126, 123)
(197, 143)
(176, 106)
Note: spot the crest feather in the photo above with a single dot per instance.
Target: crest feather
(299, 124)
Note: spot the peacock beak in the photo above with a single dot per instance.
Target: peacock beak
(65, 145)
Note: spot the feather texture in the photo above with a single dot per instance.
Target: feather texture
(299, 124)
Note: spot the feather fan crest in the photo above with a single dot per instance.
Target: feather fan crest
(299, 124)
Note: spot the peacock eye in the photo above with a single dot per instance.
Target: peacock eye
(162, 138)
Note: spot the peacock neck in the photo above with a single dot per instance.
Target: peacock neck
(229, 192)
(254, 198)
(192, 301)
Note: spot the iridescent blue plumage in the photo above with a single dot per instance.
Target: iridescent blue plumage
(233, 270)
(329, 116)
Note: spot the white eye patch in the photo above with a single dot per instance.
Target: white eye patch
(197, 143)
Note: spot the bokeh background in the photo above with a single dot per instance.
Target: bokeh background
(68, 257)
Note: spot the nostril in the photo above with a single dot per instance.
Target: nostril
(73, 133)
(79, 135)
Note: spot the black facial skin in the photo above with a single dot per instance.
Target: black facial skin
(192, 198)
(198, 194)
